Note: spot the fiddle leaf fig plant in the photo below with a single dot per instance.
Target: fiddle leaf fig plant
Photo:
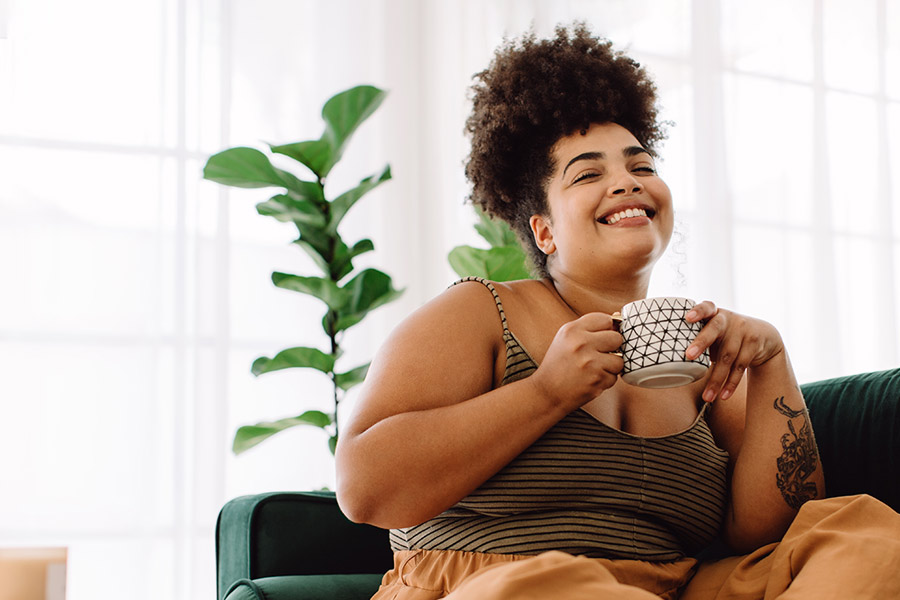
(347, 295)
(503, 261)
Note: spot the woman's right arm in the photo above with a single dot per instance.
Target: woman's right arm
(429, 429)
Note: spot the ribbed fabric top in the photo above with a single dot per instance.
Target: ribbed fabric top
(587, 489)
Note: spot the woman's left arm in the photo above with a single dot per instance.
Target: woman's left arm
(763, 423)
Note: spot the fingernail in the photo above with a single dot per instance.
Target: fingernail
(692, 352)
(708, 395)
(726, 394)
(691, 315)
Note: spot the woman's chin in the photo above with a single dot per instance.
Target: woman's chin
(637, 251)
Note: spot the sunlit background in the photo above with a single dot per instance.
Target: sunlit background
(135, 295)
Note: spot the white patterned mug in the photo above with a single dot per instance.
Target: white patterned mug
(656, 338)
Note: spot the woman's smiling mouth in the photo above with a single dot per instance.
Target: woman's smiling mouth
(644, 214)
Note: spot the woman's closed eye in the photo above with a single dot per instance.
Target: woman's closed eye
(645, 170)
(585, 175)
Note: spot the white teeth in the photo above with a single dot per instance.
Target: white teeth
(630, 212)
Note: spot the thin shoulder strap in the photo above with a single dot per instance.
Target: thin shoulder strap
(519, 363)
(493, 291)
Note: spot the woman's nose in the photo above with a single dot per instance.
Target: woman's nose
(624, 185)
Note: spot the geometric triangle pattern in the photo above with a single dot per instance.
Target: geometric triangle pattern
(655, 332)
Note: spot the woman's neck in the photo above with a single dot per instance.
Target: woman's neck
(582, 298)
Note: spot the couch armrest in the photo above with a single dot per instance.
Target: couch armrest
(307, 587)
(856, 420)
(294, 533)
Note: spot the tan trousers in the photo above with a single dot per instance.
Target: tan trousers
(840, 548)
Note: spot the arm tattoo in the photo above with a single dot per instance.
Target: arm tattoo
(799, 459)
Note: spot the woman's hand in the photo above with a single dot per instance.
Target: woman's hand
(581, 361)
(736, 344)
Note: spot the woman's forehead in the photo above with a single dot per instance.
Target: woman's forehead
(600, 137)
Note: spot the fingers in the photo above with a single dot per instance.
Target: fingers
(607, 341)
(579, 363)
(608, 363)
(730, 364)
(725, 350)
(612, 359)
(599, 329)
(736, 343)
(717, 323)
(594, 329)
(704, 310)
(597, 321)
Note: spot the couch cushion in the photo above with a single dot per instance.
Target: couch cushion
(307, 587)
(856, 420)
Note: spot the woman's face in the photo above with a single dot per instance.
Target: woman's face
(608, 207)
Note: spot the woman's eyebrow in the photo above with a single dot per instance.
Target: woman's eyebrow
(628, 152)
(634, 151)
(584, 156)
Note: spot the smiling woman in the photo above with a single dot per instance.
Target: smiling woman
(513, 461)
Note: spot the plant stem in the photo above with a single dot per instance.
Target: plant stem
(332, 314)
(336, 402)
(335, 352)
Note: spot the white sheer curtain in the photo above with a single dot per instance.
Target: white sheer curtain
(136, 295)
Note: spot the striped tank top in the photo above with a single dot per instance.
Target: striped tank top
(587, 489)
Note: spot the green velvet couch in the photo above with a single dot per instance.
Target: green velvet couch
(298, 545)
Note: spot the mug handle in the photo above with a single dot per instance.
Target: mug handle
(617, 320)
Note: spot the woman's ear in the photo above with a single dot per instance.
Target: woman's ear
(543, 234)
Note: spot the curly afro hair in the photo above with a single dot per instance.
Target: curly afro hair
(534, 93)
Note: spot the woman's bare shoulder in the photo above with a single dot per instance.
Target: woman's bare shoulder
(443, 353)
(462, 323)
(523, 294)
(471, 301)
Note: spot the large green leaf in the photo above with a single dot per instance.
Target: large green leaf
(310, 191)
(496, 231)
(289, 209)
(346, 111)
(342, 113)
(315, 154)
(321, 240)
(367, 291)
(497, 264)
(341, 260)
(343, 203)
(300, 356)
(324, 289)
(250, 435)
(353, 377)
(315, 255)
(247, 168)
(342, 264)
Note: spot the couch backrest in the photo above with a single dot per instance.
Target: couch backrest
(856, 420)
